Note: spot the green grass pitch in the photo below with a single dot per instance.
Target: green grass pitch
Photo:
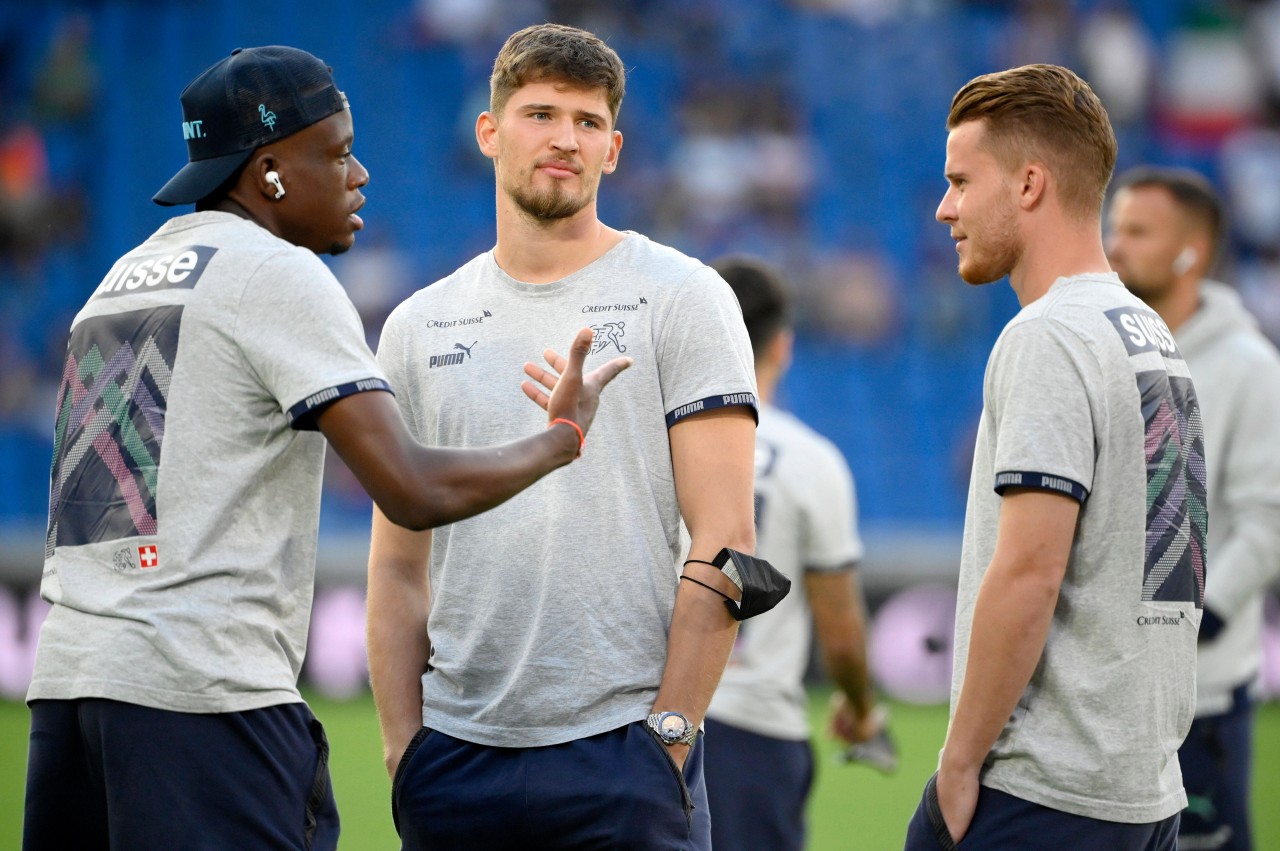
(853, 808)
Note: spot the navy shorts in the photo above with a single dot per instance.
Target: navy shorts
(103, 774)
(1217, 758)
(757, 787)
(1003, 822)
(616, 790)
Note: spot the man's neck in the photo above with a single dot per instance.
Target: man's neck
(227, 204)
(1059, 253)
(540, 251)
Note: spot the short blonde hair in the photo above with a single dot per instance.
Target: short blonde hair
(1044, 113)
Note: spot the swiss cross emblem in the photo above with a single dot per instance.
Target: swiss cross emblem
(148, 556)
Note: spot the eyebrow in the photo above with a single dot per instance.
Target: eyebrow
(547, 107)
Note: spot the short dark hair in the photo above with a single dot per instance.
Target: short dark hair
(557, 53)
(1191, 191)
(1046, 113)
(762, 294)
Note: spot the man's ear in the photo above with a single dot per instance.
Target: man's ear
(487, 134)
(262, 163)
(615, 148)
(1032, 185)
(1202, 243)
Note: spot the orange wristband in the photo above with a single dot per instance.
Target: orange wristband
(582, 438)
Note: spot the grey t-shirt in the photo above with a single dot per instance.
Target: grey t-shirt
(1086, 394)
(805, 521)
(185, 491)
(549, 614)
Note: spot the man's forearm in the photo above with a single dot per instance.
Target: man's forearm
(839, 619)
(702, 628)
(420, 487)
(398, 648)
(851, 677)
(711, 457)
(1010, 624)
(698, 647)
(1011, 620)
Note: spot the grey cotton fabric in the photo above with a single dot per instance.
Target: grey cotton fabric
(186, 494)
(549, 613)
(1237, 375)
(1086, 394)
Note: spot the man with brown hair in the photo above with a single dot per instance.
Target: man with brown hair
(1082, 571)
(1165, 226)
(565, 675)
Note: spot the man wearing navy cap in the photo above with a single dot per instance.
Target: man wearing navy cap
(202, 378)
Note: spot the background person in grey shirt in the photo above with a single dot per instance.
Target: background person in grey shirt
(1165, 228)
(1082, 570)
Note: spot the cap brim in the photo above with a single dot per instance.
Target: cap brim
(196, 180)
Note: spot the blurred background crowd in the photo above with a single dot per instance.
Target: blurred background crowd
(806, 131)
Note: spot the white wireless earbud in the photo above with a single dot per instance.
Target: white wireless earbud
(273, 177)
(1185, 260)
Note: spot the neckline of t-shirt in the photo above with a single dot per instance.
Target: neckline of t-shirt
(564, 283)
(1098, 277)
(197, 218)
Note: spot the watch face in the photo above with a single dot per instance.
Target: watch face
(672, 725)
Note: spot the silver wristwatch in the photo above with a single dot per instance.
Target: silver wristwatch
(672, 728)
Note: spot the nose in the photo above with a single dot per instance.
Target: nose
(359, 174)
(946, 211)
(566, 135)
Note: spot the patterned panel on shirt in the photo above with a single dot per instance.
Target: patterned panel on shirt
(110, 425)
(1177, 519)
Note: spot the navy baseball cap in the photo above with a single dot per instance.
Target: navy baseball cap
(255, 96)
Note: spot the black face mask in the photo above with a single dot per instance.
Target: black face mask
(762, 586)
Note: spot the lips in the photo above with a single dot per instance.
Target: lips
(355, 219)
(559, 168)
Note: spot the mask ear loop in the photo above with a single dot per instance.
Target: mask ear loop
(727, 598)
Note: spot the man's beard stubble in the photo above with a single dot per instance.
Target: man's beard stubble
(547, 205)
(1001, 250)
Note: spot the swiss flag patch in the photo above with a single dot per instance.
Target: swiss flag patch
(148, 556)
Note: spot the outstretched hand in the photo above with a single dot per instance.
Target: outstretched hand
(562, 391)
